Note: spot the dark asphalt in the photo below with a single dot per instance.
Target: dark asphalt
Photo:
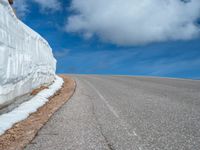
(126, 113)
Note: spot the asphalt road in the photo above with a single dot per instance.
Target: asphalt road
(126, 113)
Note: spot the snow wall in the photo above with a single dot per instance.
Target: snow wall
(26, 59)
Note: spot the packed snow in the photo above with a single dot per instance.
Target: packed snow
(22, 112)
(26, 59)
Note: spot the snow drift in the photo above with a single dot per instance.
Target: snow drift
(22, 112)
(26, 59)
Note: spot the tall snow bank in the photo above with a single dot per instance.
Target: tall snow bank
(26, 59)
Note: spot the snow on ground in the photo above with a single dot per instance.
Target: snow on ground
(25, 109)
(26, 59)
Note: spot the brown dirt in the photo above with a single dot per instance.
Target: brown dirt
(36, 91)
(24, 132)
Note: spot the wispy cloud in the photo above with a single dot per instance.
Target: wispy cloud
(49, 5)
(21, 7)
(159, 62)
(46, 6)
(135, 22)
(62, 53)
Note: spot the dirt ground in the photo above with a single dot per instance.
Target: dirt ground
(24, 132)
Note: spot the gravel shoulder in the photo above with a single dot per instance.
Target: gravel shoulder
(24, 132)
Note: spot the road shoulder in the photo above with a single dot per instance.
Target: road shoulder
(24, 132)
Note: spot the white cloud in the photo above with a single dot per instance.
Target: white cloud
(62, 53)
(22, 6)
(53, 5)
(135, 22)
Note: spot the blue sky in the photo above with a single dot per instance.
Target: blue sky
(89, 48)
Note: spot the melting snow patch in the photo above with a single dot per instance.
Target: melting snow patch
(25, 109)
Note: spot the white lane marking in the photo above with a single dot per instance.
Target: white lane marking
(123, 123)
(106, 102)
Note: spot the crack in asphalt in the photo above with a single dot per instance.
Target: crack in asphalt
(109, 145)
(122, 122)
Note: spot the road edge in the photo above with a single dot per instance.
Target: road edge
(22, 133)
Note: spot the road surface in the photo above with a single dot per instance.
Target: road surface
(125, 113)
